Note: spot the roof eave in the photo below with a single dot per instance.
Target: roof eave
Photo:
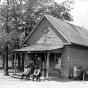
(58, 28)
(33, 30)
(79, 45)
(69, 43)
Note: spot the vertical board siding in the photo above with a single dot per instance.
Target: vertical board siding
(38, 33)
(64, 66)
(79, 57)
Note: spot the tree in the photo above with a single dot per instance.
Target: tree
(23, 15)
(6, 47)
(34, 9)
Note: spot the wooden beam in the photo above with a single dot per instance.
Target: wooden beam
(68, 60)
(40, 62)
(15, 64)
(18, 58)
(13, 60)
(23, 56)
(47, 63)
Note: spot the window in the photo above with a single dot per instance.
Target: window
(58, 60)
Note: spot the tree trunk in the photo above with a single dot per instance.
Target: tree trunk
(3, 60)
(6, 61)
(13, 60)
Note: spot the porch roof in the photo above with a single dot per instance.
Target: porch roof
(40, 47)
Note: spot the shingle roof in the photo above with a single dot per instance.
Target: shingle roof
(39, 47)
(73, 33)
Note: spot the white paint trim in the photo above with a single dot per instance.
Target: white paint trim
(57, 28)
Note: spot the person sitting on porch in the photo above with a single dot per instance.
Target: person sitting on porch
(86, 75)
(25, 71)
(30, 70)
(37, 74)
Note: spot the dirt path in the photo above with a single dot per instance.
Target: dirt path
(9, 82)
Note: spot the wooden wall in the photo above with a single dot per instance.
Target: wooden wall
(73, 56)
(37, 35)
(64, 62)
(78, 57)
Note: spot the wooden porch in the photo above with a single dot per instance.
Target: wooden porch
(40, 54)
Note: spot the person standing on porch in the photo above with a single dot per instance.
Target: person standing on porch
(43, 67)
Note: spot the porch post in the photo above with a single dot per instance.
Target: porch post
(68, 61)
(40, 62)
(15, 64)
(13, 60)
(18, 58)
(47, 63)
(23, 54)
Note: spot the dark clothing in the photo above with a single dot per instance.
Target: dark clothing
(86, 75)
(37, 76)
(23, 75)
(32, 67)
(30, 71)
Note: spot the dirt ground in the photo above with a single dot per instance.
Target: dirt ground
(10, 82)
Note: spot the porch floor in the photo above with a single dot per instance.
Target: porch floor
(50, 78)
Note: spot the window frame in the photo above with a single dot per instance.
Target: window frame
(58, 56)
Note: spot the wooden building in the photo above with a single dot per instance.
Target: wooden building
(63, 47)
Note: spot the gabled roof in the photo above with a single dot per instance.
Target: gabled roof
(72, 33)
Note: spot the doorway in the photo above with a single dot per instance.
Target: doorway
(54, 64)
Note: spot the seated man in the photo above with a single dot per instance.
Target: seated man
(25, 71)
(30, 70)
(86, 75)
(36, 74)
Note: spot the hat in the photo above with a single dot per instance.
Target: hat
(36, 67)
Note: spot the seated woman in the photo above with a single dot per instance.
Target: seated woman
(36, 74)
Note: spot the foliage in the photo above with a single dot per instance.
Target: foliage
(18, 18)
